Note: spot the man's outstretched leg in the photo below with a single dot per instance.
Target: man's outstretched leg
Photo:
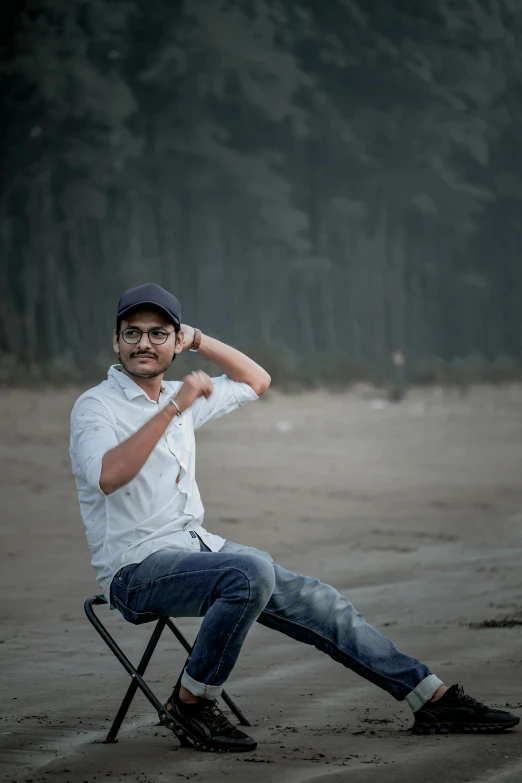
(315, 613)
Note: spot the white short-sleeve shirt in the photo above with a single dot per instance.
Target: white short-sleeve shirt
(161, 507)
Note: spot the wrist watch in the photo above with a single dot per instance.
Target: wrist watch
(196, 342)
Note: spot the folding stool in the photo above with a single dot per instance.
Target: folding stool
(138, 672)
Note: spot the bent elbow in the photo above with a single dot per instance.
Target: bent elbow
(261, 386)
(107, 485)
(106, 488)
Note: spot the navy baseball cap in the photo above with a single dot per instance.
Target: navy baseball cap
(154, 296)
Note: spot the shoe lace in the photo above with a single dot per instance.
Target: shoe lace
(469, 701)
(214, 717)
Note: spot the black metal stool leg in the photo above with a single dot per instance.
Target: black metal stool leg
(224, 695)
(127, 665)
(179, 636)
(235, 709)
(133, 687)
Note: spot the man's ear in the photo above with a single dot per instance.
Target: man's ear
(178, 347)
(115, 345)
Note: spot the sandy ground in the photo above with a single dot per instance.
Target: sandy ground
(413, 511)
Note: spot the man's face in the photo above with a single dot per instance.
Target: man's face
(147, 358)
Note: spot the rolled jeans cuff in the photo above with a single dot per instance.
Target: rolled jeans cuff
(201, 688)
(423, 692)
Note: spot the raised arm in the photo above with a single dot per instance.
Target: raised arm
(235, 364)
(123, 463)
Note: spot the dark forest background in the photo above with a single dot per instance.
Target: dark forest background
(320, 182)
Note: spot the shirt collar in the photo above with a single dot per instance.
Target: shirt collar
(128, 386)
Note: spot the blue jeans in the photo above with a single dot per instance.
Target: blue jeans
(238, 585)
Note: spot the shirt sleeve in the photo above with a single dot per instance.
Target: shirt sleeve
(226, 397)
(93, 434)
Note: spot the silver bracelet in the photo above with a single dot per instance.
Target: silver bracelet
(173, 401)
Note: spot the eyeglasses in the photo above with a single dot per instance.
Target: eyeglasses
(132, 335)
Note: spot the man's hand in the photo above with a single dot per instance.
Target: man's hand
(123, 463)
(188, 336)
(196, 384)
(233, 363)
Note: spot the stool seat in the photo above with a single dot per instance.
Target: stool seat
(136, 673)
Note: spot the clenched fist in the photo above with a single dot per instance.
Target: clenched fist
(195, 384)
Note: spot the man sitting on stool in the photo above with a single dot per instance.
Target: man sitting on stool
(133, 456)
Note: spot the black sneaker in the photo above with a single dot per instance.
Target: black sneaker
(456, 711)
(203, 726)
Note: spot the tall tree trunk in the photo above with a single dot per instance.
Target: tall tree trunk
(10, 316)
(48, 244)
(305, 321)
(327, 310)
(31, 278)
(396, 249)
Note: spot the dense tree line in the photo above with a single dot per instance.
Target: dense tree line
(318, 179)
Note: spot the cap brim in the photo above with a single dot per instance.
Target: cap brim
(150, 304)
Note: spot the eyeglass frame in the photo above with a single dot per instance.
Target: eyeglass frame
(142, 332)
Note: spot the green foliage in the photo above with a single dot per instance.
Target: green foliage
(324, 177)
(465, 372)
(336, 372)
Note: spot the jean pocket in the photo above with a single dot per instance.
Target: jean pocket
(120, 599)
(131, 615)
(124, 578)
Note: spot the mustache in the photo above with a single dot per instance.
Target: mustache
(143, 353)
